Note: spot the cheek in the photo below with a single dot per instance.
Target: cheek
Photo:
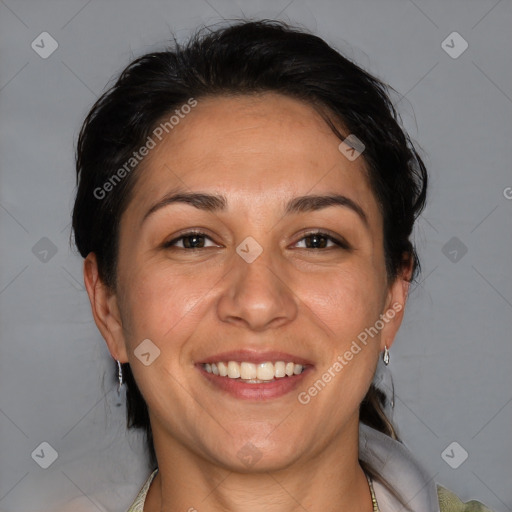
(347, 301)
(159, 301)
(345, 306)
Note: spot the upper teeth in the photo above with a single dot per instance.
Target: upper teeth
(251, 371)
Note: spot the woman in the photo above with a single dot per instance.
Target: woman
(244, 208)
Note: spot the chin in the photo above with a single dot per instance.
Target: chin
(259, 454)
(252, 460)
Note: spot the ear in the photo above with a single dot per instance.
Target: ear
(394, 308)
(104, 309)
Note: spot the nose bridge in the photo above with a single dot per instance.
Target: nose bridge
(255, 293)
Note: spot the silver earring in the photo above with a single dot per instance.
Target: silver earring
(120, 385)
(385, 356)
(119, 377)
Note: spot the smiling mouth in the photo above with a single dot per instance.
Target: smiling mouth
(252, 373)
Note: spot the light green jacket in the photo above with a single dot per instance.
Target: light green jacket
(448, 502)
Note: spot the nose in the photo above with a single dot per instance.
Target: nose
(256, 295)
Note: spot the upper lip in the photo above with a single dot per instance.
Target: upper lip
(255, 356)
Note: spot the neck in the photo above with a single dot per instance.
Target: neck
(330, 479)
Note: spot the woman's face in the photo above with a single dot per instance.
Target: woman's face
(254, 286)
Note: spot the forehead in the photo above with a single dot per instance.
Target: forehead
(255, 149)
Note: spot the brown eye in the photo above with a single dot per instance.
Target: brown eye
(192, 240)
(319, 240)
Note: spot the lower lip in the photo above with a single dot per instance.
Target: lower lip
(263, 391)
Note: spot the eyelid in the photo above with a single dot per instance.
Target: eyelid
(335, 238)
(188, 232)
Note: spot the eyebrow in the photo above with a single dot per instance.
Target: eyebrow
(213, 203)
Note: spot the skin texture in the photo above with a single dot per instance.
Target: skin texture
(259, 152)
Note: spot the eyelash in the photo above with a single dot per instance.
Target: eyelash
(341, 244)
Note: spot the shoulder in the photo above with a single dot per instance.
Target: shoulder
(449, 502)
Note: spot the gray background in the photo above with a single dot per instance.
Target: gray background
(451, 360)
